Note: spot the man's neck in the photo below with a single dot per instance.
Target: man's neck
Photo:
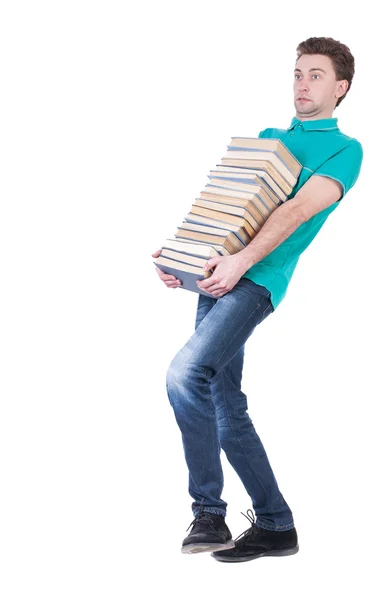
(321, 115)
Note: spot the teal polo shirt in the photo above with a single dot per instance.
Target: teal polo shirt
(322, 149)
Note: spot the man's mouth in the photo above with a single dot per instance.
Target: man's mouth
(302, 99)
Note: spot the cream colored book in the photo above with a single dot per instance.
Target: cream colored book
(233, 206)
(238, 230)
(220, 217)
(254, 157)
(237, 190)
(209, 235)
(256, 176)
(270, 144)
(247, 211)
(195, 248)
(262, 165)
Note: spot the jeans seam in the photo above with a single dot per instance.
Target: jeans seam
(240, 444)
(266, 308)
(279, 527)
(215, 511)
(239, 331)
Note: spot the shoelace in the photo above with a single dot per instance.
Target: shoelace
(202, 515)
(252, 519)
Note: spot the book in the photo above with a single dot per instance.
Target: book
(220, 217)
(272, 145)
(233, 206)
(238, 230)
(240, 186)
(240, 190)
(195, 248)
(263, 165)
(210, 235)
(186, 273)
(255, 177)
(180, 252)
(242, 174)
(258, 156)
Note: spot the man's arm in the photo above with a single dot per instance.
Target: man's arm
(327, 185)
(314, 196)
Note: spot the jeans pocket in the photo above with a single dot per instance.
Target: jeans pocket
(265, 307)
(253, 289)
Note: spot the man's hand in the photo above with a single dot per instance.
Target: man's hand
(228, 271)
(169, 280)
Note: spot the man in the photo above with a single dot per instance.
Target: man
(204, 378)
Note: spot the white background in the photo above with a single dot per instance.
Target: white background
(112, 114)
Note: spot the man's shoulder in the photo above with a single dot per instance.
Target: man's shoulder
(348, 141)
(345, 140)
(272, 132)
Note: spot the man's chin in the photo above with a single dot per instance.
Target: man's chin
(302, 108)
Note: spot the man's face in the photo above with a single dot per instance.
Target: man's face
(316, 90)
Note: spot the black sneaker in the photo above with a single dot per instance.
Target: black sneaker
(256, 542)
(209, 532)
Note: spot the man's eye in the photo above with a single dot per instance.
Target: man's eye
(316, 75)
(297, 76)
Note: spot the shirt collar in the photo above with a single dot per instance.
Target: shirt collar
(316, 125)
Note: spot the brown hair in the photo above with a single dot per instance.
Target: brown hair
(340, 55)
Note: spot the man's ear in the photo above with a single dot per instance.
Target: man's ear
(341, 88)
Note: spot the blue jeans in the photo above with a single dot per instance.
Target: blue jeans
(204, 389)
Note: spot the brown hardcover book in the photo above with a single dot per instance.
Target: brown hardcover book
(239, 231)
(210, 235)
(256, 176)
(235, 187)
(202, 250)
(255, 156)
(196, 248)
(272, 145)
(190, 259)
(223, 217)
(234, 207)
(228, 195)
(263, 165)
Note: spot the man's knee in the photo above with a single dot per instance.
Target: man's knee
(174, 373)
(182, 377)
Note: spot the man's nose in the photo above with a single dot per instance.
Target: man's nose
(303, 86)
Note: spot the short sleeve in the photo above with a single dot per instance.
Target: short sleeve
(264, 133)
(344, 166)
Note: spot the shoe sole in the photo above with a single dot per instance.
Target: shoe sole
(285, 552)
(206, 547)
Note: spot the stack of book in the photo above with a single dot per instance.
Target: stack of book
(255, 176)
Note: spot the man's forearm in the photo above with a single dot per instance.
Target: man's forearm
(278, 227)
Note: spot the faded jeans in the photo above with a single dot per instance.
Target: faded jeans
(204, 389)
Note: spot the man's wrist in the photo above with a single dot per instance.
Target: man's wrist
(248, 258)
